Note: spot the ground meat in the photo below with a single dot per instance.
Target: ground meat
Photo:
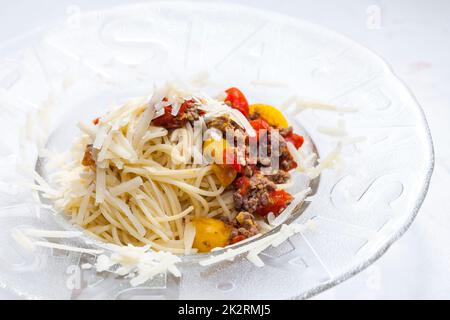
(222, 123)
(243, 226)
(193, 113)
(255, 195)
(287, 162)
(250, 170)
(280, 176)
(89, 156)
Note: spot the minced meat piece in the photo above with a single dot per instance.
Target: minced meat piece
(254, 195)
(193, 113)
(279, 177)
(243, 226)
(222, 123)
(287, 162)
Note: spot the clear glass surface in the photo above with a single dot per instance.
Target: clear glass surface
(75, 69)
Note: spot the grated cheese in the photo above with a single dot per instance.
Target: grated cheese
(51, 233)
(22, 239)
(100, 136)
(138, 263)
(126, 186)
(339, 131)
(325, 163)
(308, 104)
(53, 245)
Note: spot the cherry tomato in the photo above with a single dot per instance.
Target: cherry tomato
(278, 200)
(210, 233)
(237, 100)
(297, 140)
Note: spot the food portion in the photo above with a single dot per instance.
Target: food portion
(181, 171)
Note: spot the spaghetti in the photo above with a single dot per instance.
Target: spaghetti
(136, 179)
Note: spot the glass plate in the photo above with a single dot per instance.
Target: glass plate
(73, 70)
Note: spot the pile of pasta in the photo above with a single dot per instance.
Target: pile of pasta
(144, 188)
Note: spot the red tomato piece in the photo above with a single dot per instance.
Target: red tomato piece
(237, 100)
(278, 200)
(295, 139)
(242, 184)
(237, 239)
(230, 158)
(259, 124)
(169, 121)
(96, 121)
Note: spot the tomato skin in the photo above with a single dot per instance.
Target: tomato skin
(270, 114)
(237, 100)
(237, 239)
(259, 124)
(278, 200)
(169, 121)
(230, 158)
(242, 184)
(237, 167)
(295, 139)
(210, 233)
(96, 121)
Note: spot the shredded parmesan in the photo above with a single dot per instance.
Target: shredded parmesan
(66, 248)
(325, 163)
(100, 136)
(138, 263)
(51, 233)
(22, 239)
(126, 186)
(339, 131)
(305, 104)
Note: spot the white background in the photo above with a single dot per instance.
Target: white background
(414, 37)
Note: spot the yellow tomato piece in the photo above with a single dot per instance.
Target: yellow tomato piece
(269, 113)
(215, 149)
(225, 174)
(210, 233)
